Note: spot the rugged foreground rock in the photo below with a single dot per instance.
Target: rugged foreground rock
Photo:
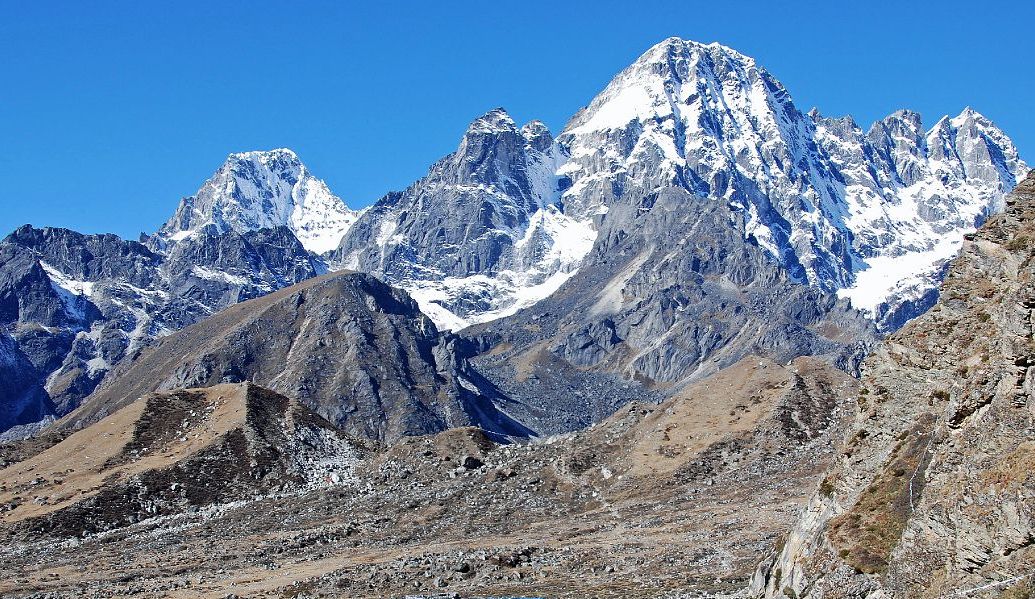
(933, 490)
(656, 500)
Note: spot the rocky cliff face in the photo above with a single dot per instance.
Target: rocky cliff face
(673, 300)
(356, 351)
(933, 493)
(26, 402)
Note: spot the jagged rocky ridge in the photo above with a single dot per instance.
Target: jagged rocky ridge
(933, 493)
(679, 298)
(871, 215)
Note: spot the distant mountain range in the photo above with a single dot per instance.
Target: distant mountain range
(690, 215)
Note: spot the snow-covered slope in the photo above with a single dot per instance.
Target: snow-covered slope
(262, 190)
(911, 204)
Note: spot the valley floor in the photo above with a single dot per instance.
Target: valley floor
(632, 507)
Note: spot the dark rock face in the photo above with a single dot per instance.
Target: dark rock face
(27, 294)
(78, 304)
(22, 399)
(218, 270)
(675, 299)
(89, 257)
(358, 352)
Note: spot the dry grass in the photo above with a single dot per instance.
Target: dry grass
(865, 535)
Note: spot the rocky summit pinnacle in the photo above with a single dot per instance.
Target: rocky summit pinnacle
(261, 190)
(483, 234)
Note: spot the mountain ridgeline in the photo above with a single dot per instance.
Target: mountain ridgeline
(699, 343)
(689, 216)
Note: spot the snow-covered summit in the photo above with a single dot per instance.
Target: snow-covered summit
(537, 134)
(260, 190)
(834, 204)
(496, 121)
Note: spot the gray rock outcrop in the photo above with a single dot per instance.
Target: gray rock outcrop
(933, 494)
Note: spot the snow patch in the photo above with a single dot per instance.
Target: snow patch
(887, 276)
(217, 275)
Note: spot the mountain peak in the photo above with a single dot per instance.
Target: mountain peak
(678, 77)
(901, 123)
(537, 135)
(904, 114)
(968, 112)
(676, 45)
(266, 155)
(969, 115)
(495, 121)
(261, 190)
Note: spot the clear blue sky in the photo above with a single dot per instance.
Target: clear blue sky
(112, 111)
